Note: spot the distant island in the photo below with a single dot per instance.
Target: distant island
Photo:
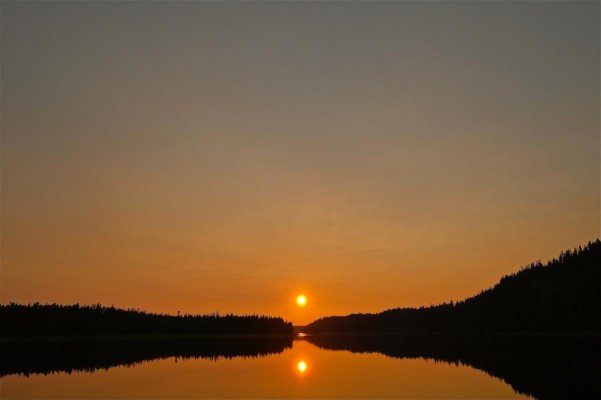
(564, 295)
(17, 320)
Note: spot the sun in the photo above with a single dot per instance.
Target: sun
(301, 300)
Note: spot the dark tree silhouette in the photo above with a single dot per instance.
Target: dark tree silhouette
(563, 295)
(53, 319)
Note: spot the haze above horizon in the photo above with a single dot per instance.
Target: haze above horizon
(202, 157)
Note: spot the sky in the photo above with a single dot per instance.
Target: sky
(224, 157)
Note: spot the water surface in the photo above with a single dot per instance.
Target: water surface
(311, 367)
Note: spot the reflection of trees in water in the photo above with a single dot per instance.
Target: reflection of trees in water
(541, 366)
(88, 355)
(545, 367)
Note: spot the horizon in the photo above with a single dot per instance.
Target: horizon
(230, 157)
(178, 314)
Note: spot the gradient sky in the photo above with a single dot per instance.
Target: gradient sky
(204, 157)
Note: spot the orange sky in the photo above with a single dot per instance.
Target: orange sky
(224, 157)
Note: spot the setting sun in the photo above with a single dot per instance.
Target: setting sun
(301, 300)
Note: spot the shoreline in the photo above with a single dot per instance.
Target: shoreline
(139, 336)
(295, 336)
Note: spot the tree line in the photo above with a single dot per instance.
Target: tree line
(55, 319)
(562, 295)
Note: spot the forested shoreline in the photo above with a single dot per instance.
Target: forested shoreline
(563, 295)
(53, 319)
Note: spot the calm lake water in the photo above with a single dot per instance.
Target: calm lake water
(310, 367)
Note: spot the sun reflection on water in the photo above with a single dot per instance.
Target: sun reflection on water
(302, 367)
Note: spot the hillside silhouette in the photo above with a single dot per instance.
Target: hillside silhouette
(53, 319)
(563, 295)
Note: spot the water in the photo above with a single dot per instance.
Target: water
(451, 367)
